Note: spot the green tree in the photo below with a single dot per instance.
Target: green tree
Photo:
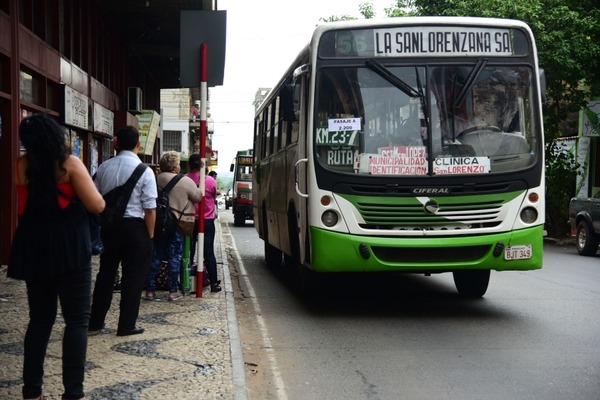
(365, 9)
(561, 174)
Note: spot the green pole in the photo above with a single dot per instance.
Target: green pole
(185, 266)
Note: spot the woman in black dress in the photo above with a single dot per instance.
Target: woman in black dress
(51, 250)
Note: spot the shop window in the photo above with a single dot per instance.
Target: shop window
(29, 87)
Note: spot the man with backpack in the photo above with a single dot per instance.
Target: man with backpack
(128, 239)
(175, 214)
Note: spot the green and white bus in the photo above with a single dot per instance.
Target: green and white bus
(405, 144)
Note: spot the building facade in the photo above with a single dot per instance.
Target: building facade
(94, 65)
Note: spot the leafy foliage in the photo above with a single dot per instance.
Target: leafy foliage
(334, 18)
(561, 174)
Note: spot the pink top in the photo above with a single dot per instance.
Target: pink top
(195, 176)
(210, 195)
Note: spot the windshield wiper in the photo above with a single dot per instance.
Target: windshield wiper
(386, 74)
(391, 78)
(469, 82)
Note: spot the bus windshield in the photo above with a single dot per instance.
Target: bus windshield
(385, 119)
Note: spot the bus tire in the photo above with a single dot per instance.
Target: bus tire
(310, 284)
(472, 283)
(587, 241)
(273, 256)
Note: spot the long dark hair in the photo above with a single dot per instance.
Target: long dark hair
(46, 152)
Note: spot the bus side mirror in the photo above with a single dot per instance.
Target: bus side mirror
(289, 102)
(231, 168)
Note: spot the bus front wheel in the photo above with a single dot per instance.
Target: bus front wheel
(472, 284)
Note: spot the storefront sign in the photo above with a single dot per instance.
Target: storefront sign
(149, 121)
(76, 109)
(104, 120)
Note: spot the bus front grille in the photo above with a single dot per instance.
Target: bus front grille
(450, 216)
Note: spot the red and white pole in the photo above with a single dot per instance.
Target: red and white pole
(203, 134)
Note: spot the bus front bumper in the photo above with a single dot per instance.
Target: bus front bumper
(337, 252)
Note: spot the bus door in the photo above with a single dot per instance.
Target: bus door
(302, 167)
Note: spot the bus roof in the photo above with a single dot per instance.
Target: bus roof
(379, 22)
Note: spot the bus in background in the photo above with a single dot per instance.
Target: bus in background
(405, 144)
(241, 197)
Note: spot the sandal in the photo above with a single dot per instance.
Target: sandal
(175, 296)
(150, 296)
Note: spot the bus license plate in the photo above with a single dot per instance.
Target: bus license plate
(521, 252)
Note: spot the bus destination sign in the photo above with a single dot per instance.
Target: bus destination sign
(439, 41)
(244, 160)
(428, 41)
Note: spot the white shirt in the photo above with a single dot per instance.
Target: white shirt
(116, 171)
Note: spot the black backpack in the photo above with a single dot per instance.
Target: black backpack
(166, 222)
(117, 199)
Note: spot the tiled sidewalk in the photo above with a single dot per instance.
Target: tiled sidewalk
(190, 348)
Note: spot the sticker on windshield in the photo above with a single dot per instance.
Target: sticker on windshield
(461, 165)
(396, 160)
(343, 124)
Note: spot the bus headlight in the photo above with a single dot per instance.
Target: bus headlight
(329, 218)
(529, 215)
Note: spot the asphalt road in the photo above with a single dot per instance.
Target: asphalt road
(535, 334)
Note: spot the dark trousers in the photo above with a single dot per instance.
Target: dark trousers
(209, 250)
(130, 245)
(73, 290)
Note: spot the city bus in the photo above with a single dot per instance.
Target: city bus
(405, 145)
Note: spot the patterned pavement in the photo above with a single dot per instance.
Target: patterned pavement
(190, 348)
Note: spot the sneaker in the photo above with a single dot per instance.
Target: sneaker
(150, 296)
(175, 296)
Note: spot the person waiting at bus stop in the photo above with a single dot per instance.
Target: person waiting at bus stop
(210, 192)
(194, 174)
(51, 250)
(182, 198)
(129, 242)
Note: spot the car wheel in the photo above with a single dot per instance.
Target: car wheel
(587, 241)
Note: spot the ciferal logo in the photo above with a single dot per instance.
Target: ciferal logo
(433, 190)
(431, 207)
